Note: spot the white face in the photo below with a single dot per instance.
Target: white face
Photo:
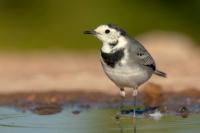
(107, 34)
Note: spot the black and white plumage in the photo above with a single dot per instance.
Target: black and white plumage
(125, 60)
(111, 59)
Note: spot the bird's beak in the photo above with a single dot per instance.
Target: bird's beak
(92, 32)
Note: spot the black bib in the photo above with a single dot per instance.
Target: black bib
(111, 59)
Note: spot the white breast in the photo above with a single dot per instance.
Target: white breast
(125, 76)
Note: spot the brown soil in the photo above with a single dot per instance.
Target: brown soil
(53, 102)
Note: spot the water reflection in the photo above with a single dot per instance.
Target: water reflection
(95, 120)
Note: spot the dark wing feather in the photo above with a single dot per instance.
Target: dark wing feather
(145, 58)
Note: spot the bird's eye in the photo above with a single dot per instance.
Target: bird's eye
(107, 31)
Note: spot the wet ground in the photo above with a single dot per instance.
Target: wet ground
(74, 119)
(79, 112)
(53, 102)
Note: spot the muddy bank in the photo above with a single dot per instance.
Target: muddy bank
(53, 102)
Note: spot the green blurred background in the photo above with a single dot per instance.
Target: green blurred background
(32, 25)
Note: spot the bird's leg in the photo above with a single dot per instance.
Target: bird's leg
(122, 94)
(135, 93)
(118, 115)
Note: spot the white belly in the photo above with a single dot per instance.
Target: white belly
(124, 76)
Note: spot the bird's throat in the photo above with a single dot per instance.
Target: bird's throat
(111, 59)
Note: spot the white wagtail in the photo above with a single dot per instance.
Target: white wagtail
(125, 60)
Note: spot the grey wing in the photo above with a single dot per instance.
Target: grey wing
(142, 56)
(146, 60)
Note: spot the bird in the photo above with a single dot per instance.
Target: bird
(125, 60)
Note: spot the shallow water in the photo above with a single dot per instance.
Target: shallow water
(95, 120)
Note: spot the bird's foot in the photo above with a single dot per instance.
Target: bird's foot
(117, 116)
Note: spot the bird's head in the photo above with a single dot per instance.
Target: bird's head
(108, 33)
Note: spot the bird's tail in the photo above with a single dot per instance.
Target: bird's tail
(160, 73)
